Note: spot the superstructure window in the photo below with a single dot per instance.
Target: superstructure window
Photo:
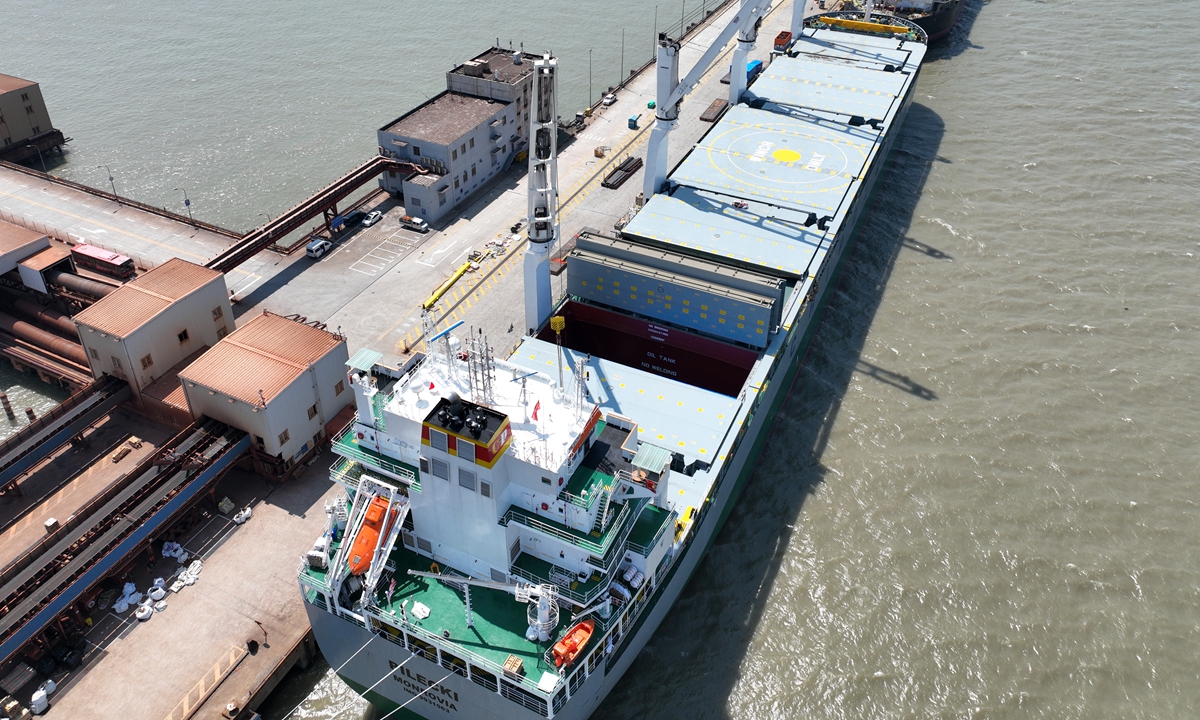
(183, 336)
(217, 313)
(466, 451)
(416, 151)
(439, 468)
(466, 479)
(485, 488)
(116, 362)
(95, 355)
(284, 437)
(312, 412)
(472, 142)
(437, 440)
(339, 388)
(147, 362)
(453, 154)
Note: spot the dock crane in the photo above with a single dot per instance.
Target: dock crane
(542, 615)
(670, 91)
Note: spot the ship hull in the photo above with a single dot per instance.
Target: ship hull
(939, 25)
(389, 676)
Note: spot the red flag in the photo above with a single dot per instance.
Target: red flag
(536, 408)
(430, 386)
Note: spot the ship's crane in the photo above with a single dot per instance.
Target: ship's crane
(670, 91)
(542, 615)
(543, 191)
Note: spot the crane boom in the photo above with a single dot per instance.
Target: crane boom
(462, 580)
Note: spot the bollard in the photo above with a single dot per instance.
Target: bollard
(29, 413)
(7, 406)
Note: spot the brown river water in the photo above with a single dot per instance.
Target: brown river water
(980, 499)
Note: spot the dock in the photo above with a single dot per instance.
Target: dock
(241, 626)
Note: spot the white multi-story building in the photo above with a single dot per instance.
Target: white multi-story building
(463, 137)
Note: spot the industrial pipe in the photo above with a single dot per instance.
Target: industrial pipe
(47, 318)
(79, 284)
(34, 335)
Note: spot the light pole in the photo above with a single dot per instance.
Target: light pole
(591, 97)
(267, 216)
(39, 152)
(110, 177)
(187, 204)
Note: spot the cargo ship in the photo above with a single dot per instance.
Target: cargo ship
(514, 529)
(936, 17)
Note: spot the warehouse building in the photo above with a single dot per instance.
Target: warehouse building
(464, 137)
(277, 378)
(144, 329)
(25, 127)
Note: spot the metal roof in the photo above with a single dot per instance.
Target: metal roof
(652, 457)
(364, 359)
(46, 258)
(18, 243)
(265, 355)
(8, 83)
(136, 302)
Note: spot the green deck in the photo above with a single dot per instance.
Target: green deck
(588, 484)
(540, 569)
(500, 623)
(646, 529)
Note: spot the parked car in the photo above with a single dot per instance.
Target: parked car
(414, 223)
(317, 248)
(610, 99)
(372, 217)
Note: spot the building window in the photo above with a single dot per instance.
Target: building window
(466, 451)
(472, 142)
(95, 355)
(464, 176)
(37, 129)
(222, 332)
(116, 362)
(455, 183)
(312, 412)
(440, 468)
(504, 120)
(416, 151)
(437, 440)
(453, 154)
(217, 313)
(183, 336)
(284, 437)
(147, 362)
(8, 141)
(28, 109)
(337, 389)
(24, 97)
(485, 488)
(472, 170)
(259, 441)
(466, 478)
(416, 202)
(464, 148)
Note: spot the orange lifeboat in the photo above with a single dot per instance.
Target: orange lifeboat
(567, 649)
(363, 548)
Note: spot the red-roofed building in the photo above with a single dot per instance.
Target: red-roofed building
(278, 379)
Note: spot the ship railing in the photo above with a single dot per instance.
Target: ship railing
(345, 447)
(644, 550)
(600, 548)
(588, 495)
(383, 619)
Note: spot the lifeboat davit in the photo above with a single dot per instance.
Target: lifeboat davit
(363, 548)
(567, 649)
